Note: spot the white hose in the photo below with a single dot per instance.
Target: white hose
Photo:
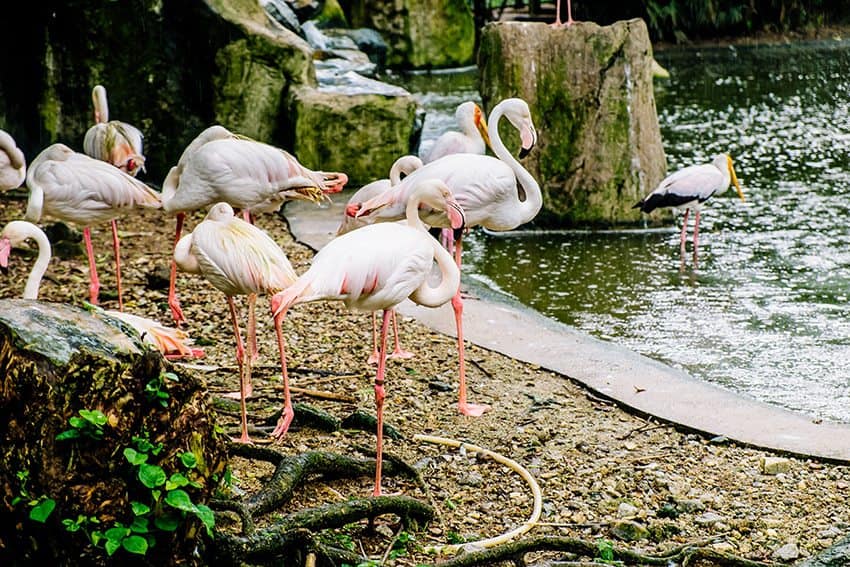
(511, 464)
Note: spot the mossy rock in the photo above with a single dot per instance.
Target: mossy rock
(590, 92)
(420, 33)
(359, 134)
(56, 360)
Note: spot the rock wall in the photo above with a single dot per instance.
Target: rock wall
(360, 134)
(420, 33)
(590, 92)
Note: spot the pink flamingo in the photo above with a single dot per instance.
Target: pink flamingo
(172, 343)
(405, 165)
(376, 268)
(13, 165)
(238, 258)
(73, 187)
(472, 139)
(496, 193)
(558, 23)
(219, 166)
(117, 143)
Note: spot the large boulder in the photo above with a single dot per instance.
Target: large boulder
(590, 92)
(93, 428)
(351, 124)
(419, 33)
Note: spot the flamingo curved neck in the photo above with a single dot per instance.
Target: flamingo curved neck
(41, 262)
(449, 280)
(35, 203)
(526, 209)
(412, 213)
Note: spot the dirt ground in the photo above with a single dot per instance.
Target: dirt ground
(605, 474)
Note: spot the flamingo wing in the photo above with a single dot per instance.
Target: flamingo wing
(375, 267)
(239, 258)
(12, 163)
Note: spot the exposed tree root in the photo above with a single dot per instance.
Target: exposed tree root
(293, 536)
(367, 422)
(686, 555)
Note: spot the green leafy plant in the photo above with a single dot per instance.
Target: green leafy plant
(605, 551)
(400, 544)
(40, 506)
(155, 390)
(89, 424)
(167, 508)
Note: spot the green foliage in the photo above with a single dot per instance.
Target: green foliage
(454, 538)
(40, 506)
(155, 390)
(605, 551)
(168, 505)
(89, 424)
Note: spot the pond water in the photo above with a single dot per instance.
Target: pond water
(766, 312)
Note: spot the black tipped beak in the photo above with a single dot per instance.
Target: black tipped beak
(524, 152)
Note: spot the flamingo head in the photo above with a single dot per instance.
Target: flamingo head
(437, 195)
(333, 181)
(220, 212)
(133, 164)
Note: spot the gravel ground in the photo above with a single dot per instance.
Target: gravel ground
(604, 473)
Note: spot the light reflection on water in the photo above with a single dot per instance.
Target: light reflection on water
(766, 312)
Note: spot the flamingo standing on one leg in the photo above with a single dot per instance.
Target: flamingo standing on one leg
(472, 139)
(238, 258)
(376, 268)
(558, 23)
(405, 165)
(73, 187)
(688, 189)
(172, 343)
(13, 165)
(117, 143)
(496, 193)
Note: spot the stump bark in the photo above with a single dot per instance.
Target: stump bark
(590, 92)
(56, 360)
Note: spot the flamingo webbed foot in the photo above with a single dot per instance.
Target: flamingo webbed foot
(373, 358)
(176, 312)
(243, 439)
(249, 393)
(283, 423)
(401, 354)
(472, 410)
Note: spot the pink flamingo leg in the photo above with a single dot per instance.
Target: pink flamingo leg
(696, 234)
(375, 356)
(465, 408)
(379, 401)
(252, 326)
(244, 368)
(94, 285)
(288, 412)
(558, 23)
(173, 302)
(398, 352)
(116, 247)
(684, 232)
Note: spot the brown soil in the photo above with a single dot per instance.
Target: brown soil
(598, 466)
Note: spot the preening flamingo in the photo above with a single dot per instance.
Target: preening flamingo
(117, 143)
(403, 165)
(238, 258)
(376, 268)
(689, 188)
(13, 165)
(173, 343)
(496, 193)
(73, 187)
(219, 166)
(472, 139)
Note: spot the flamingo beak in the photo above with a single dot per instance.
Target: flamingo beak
(481, 125)
(454, 212)
(365, 209)
(333, 182)
(5, 249)
(735, 179)
(528, 135)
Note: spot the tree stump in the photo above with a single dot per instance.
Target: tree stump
(590, 91)
(136, 456)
